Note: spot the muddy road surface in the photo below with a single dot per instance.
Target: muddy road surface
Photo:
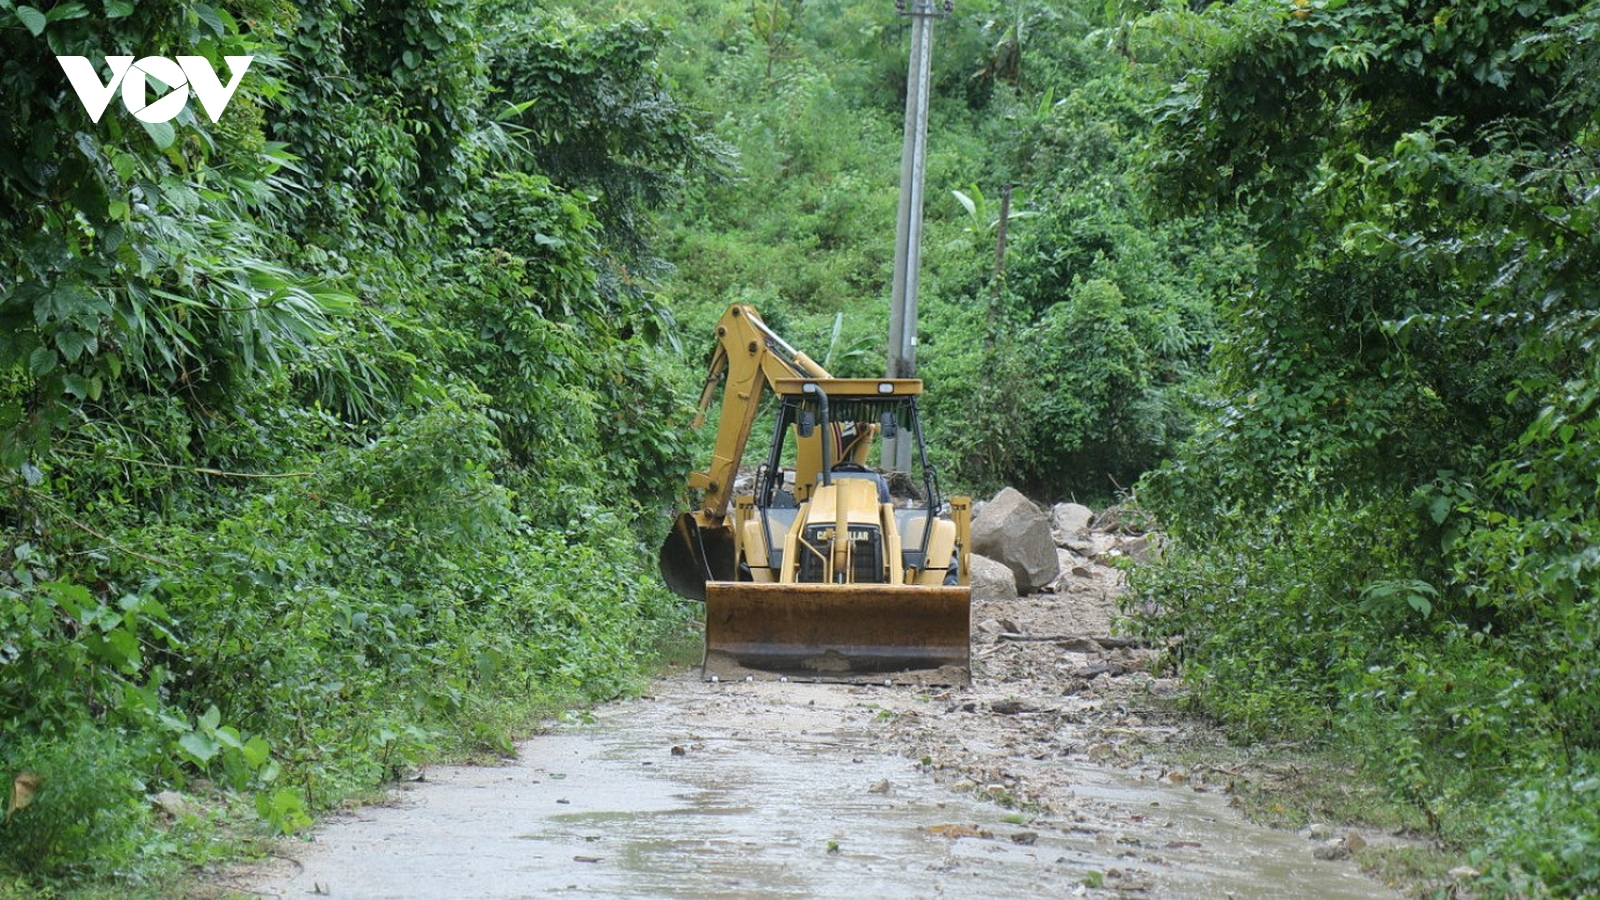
(1040, 779)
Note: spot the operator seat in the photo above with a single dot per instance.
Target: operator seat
(857, 470)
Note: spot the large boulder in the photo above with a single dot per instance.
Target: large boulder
(992, 582)
(1013, 531)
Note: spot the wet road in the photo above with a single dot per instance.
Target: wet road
(780, 790)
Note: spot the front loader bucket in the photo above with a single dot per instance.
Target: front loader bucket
(838, 632)
(692, 556)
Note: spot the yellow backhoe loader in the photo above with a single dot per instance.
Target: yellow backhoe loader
(827, 569)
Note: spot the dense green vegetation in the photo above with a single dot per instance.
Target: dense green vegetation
(332, 434)
(337, 431)
(1387, 518)
(1036, 95)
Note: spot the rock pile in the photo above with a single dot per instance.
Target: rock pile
(1042, 550)
(1011, 530)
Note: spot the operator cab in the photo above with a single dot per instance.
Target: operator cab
(907, 504)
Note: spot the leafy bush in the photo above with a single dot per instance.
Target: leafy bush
(1415, 367)
(1541, 840)
(74, 803)
(333, 403)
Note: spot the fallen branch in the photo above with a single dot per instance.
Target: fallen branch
(1106, 642)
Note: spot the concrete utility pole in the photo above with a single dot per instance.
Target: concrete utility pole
(908, 230)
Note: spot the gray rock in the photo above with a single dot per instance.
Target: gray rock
(1143, 548)
(1069, 565)
(1070, 519)
(1332, 850)
(1138, 549)
(997, 626)
(175, 805)
(1013, 531)
(1102, 545)
(992, 582)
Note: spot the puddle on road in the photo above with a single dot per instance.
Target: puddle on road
(769, 799)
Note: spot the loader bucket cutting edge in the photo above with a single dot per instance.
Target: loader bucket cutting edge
(838, 631)
(692, 555)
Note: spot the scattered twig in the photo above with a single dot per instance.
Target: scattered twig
(1210, 767)
(110, 542)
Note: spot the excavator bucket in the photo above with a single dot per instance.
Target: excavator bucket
(692, 555)
(839, 632)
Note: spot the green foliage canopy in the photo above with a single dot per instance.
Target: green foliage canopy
(327, 434)
(1413, 370)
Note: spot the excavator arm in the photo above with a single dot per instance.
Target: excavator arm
(747, 358)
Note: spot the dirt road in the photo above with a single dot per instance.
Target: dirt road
(1030, 783)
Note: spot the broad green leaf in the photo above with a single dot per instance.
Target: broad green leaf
(160, 132)
(209, 17)
(124, 163)
(202, 748)
(966, 202)
(256, 752)
(1439, 509)
(122, 649)
(173, 723)
(73, 10)
(41, 361)
(71, 343)
(74, 598)
(283, 809)
(33, 19)
(12, 453)
(228, 736)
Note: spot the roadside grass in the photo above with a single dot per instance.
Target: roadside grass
(489, 735)
(1292, 786)
(203, 855)
(179, 861)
